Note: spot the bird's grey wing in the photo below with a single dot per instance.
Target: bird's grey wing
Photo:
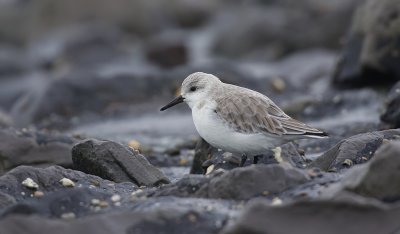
(255, 113)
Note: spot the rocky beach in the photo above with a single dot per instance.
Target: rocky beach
(85, 149)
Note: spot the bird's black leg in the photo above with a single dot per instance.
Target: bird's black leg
(244, 158)
(255, 159)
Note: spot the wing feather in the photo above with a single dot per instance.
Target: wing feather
(253, 112)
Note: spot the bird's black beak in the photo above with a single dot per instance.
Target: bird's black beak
(174, 102)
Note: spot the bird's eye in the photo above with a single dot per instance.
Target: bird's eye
(193, 88)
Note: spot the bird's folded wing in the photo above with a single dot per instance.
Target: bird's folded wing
(255, 113)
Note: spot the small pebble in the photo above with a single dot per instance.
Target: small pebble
(183, 162)
(67, 182)
(38, 194)
(364, 158)
(115, 198)
(265, 193)
(137, 192)
(277, 154)
(69, 215)
(278, 85)
(347, 162)
(95, 202)
(192, 218)
(29, 183)
(276, 201)
(95, 183)
(103, 204)
(134, 144)
(210, 169)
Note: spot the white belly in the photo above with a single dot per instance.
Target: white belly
(219, 135)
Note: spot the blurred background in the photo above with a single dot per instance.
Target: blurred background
(97, 68)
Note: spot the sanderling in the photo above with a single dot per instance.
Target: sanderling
(237, 119)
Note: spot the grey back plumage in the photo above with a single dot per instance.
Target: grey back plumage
(253, 112)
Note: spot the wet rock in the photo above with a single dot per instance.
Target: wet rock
(6, 200)
(248, 182)
(85, 93)
(167, 51)
(48, 180)
(82, 46)
(33, 148)
(357, 149)
(391, 114)
(260, 217)
(274, 29)
(379, 178)
(201, 154)
(185, 187)
(371, 53)
(115, 162)
(214, 159)
(192, 13)
(172, 220)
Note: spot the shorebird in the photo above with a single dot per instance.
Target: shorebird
(237, 119)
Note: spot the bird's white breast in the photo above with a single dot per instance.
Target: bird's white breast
(220, 135)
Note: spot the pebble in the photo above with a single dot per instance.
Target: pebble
(67, 182)
(69, 215)
(210, 169)
(183, 162)
(38, 194)
(276, 201)
(347, 162)
(277, 154)
(29, 183)
(99, 203)
(95, 202)
(115, 198)
(278, 85)
(134, 144)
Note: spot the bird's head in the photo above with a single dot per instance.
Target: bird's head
(195, 88)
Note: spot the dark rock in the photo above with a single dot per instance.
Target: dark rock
(281, 28)
(371, 53)
(173, 220)
(56, 203)
(201, 154)
(192, 13)
(248, 182)
(48, 180)
(391, 115)
(214, 159)
(6, 200)
(185, 187)
(83, 92)
(354, 150)
(379, 178)
(33, 148)
(167, 51)
(316, 217)
(115, 162)
(81, 46)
